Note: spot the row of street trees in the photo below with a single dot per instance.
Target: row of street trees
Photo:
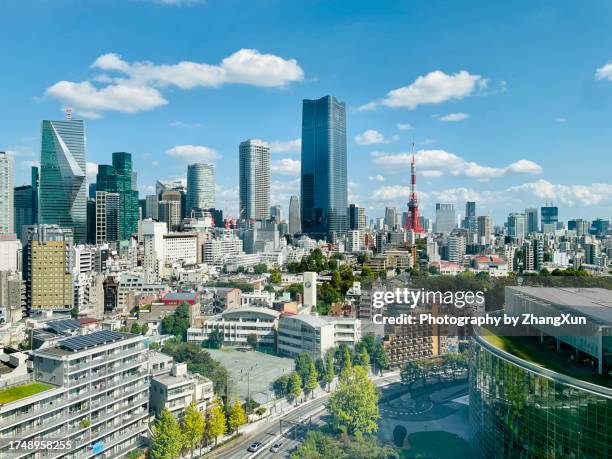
(171, 437)
(420, 370)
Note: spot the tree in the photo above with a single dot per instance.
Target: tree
(302, 365)
(215, 423)
(192, 426)
(329, 369)
(252, 340)
(411, 373)
(381, 360)
(311, 381)
(260, 268)
(347, 361)
(135, 329)
(275, 276)
(237, 416)
(353, 406)
(399, 435)
(320, 367)
(167, 437)
(280, 386)
(177, 323)
(294, 387)
(144, 329)
(366, 272)
(362, 358)
(215, 339)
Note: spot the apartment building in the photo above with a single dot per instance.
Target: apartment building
(177, 389)
(92, 390)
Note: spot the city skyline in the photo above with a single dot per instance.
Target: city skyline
(472, 120)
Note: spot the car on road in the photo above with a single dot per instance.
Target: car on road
(276, 447)
(254, 446)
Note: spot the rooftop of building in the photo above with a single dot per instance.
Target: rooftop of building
(81, 343)
(19, 391)
(180, 296)
(595, 303)
(544, 355)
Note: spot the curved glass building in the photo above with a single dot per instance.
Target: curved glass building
(522, 410)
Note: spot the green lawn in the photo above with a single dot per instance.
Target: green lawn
(531, 350)
(436, 444)
(24, 390)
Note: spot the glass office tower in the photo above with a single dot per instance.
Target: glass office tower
(200, 186)
(63, 187)
(324, 181)
(118, 178)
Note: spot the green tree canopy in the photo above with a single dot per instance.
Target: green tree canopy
(167, 437)
(353, 406)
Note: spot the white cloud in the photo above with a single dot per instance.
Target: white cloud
(193, 153)
(438, 162)
(91, 170)
(376, 178)
(404, 126)
(569, 195)
(286, 166)
(561, 119)
(181, 124)
(370, 137)
(392, 192)
(28, 164)
(604, 72)
(286, 146)
(121, 97)
(434, 88)
(432, 173)
(453, 117)
(139, 84)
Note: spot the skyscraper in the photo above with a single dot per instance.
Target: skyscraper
(7, 224)
(356, 217)
(469, 222)
(63, 187)
(484, 229)
(254, 180)
(445, 218)
(516, 225)
(390, 213)
(295, 225)
(200, 186)
(532, 220)
(24, 208)
(324, 180)
(119, 178)
(550, 215)
(276, 213)
(108, 216)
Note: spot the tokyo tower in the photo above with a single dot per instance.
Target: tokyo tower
(413, 222)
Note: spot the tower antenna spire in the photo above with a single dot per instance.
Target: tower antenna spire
(413, 222)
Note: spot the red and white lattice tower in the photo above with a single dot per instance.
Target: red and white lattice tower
(413, 222)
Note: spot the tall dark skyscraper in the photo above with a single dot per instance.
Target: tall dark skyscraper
(469, 222)
(118, 178)
(63, 187)
(549, 215)
(324, 182)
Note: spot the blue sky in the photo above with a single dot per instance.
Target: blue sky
(507, 103)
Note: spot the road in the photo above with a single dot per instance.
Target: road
(267, 432)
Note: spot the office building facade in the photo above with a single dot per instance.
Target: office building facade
(200, 186)
(323, 170)
(119, 178)
(254, 180)
(445, 218)
(63, 185)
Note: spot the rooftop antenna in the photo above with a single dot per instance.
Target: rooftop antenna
(68, 113)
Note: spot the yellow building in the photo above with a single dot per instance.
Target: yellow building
(49, 268)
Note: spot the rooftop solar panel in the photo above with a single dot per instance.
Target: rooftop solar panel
(78, 343)
(60, 326)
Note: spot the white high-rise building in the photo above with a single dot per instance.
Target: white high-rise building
(516, 226)
(456, 248)
(6, 194)
(254, 180)
(445, 218)
(200, 186)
